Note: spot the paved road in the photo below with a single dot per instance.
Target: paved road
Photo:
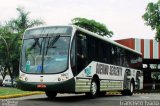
(81, 100)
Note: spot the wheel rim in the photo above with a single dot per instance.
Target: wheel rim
(131, 87)
(94, 88)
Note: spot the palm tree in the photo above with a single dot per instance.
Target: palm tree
(5, 40)
(10, 43)
(18, 26)
(23, 21)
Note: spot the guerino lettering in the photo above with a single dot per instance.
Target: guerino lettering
(102, 69)
(105, 69)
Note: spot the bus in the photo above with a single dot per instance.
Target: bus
(70, 59)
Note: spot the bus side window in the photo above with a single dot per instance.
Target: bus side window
(81, 52)
(122, 58)
(91, 49)
(113, 55)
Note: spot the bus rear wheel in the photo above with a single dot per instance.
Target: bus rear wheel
(129, 92)
(51, 94)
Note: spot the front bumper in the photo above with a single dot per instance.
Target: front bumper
(59, 87)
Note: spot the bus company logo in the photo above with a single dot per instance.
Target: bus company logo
(88, 71)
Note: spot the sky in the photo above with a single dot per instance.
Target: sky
(123, 17)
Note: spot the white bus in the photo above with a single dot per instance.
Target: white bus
(70, 59)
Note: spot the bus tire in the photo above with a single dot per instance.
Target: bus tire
(93, 89)
(137, 86)
(129, 92)
(50, 94)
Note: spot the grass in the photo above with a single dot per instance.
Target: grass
(10, 91)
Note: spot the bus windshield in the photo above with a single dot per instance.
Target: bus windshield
(45, 53)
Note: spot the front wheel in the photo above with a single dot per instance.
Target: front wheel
(50, 94)
(93, 89)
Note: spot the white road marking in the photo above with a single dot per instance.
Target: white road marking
(144, 97)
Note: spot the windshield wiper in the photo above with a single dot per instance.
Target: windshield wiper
(53, 41)
(35, 43)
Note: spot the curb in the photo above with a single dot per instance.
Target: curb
(20, 95)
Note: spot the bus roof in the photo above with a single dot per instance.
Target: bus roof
(47, 26)
(105, 39)
(92, 34)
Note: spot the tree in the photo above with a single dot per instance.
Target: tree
(18, 27)
(3, 72)
(10, 43)
(5, 42)
(92, 26)
(152, 17)
(23, 21)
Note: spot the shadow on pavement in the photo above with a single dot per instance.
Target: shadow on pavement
(71, 99)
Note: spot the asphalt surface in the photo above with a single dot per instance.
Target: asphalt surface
(80, 100)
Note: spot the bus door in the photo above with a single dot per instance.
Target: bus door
(81, 52)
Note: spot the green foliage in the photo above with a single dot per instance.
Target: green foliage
(92, 26)
(10, 42)
(5, 41)
(152, 17)
(23, 21)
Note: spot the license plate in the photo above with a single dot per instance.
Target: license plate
(41, 86)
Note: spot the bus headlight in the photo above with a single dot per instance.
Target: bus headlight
(63, 77)
(22, 77)
(26, 79)
(59, 79)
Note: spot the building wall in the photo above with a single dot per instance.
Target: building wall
(149, 48)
